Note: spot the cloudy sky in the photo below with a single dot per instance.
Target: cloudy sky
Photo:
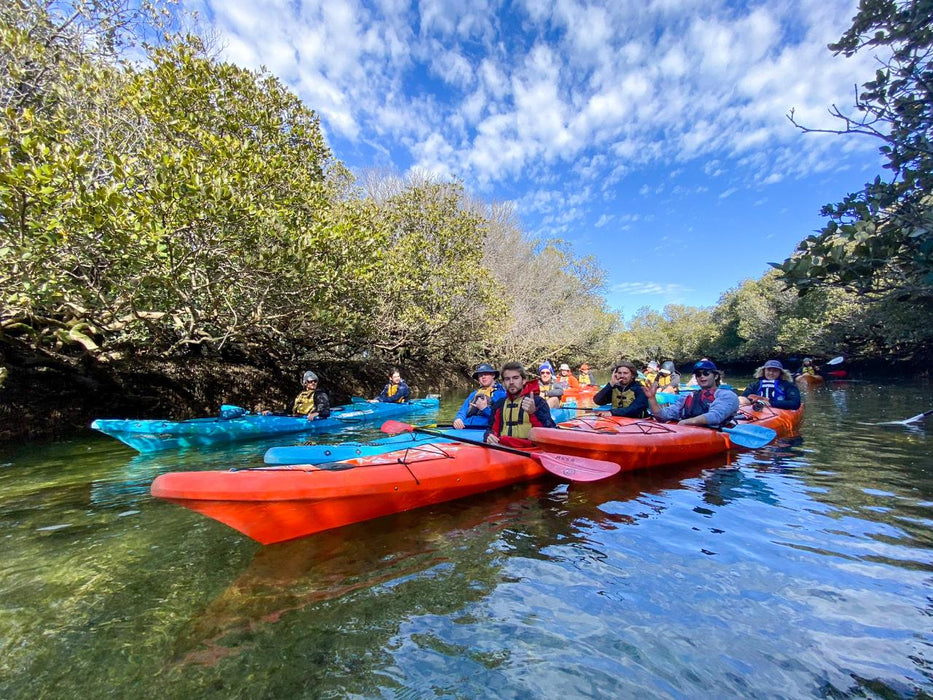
(650, 133)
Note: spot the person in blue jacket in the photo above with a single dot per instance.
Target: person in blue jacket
(773, 387)
(476, 411)
(396, 391)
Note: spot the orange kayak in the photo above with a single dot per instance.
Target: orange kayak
(809, 380)
(643, 443)
(582, 395)
(274, 504)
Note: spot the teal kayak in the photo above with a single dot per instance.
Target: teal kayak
(236, 425)
(318, 454)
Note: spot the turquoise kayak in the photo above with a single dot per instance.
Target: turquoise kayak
(236, 425)
(318, 454)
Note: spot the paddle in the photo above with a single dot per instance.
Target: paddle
(566, 466)
(748, 435)
(836, 360)
(907, 421)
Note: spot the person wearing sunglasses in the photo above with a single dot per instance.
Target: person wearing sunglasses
(709, 406)
(312, 402)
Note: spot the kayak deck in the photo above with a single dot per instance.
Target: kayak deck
(645, 443)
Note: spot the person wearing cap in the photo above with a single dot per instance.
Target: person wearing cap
(547, 386)
(396, 391)
(586, 377)
(476, 411)
(521, 409)
(709, 406)
(773, 386)
(312, 402)
(623, 392)
(566, 379)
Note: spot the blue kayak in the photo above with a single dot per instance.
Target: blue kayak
(318, 454)
(236, 425)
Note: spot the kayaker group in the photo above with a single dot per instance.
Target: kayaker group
(507, 403)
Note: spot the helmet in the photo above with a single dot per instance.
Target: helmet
(308, 376)
(485, 368)
(668, 367)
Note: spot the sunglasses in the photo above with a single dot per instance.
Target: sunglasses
(311, 381)
(703, 372)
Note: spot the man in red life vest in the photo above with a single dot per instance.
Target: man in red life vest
(711, 406)
(521, 409)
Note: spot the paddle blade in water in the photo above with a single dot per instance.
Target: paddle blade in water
(394, 427)
(752, 436)
(576, 468)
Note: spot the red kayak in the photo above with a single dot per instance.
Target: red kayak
(643, 443)
(274, 504)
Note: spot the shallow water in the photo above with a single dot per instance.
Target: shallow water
(798, 570)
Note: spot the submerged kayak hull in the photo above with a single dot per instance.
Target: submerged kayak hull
(644, 443)
(158, 435)
(273, 505)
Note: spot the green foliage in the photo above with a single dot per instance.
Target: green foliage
(880, 240)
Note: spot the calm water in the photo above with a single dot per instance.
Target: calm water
(800, 570)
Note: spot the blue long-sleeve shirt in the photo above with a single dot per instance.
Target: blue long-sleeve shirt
(725, 405)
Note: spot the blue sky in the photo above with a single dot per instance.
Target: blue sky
(650, 133)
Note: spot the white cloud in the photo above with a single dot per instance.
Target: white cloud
(666, 289)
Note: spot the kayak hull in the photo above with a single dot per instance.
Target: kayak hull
(809, 380)
(645, 443)
(159, 435)
(273, 505)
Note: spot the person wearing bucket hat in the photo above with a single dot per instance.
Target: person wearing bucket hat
(773, 386)
(546, 386)
(586, 376)
(566, 379)
(312, 402)
(623, 392)
(476, 410)
(710, 405)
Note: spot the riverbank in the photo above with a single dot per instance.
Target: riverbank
(53, 399)
(48, 398)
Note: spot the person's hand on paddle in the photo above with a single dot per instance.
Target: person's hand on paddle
(312, 415)
(458, 424)
(492, 439)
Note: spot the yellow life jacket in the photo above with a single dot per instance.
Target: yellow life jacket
(515, 422)
(304, 403)
(649, 378)
(622, 398)
(543, 388)
(664, 379)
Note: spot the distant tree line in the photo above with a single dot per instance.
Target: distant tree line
(155, 200)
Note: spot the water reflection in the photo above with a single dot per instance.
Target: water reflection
(800, 569)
